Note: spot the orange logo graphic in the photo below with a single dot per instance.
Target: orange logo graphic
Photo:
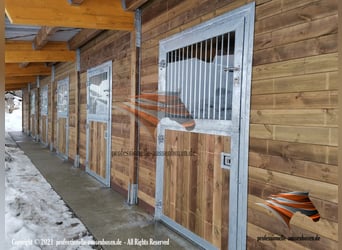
(284, 205)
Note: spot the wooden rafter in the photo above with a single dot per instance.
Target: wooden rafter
(33, 69)
(18, 51)
(42, 37)
(75, 2)
(132, 5)
(82, 38)
(99, 14)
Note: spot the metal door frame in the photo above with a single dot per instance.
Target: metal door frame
(63, 115)
(237, 128)
(105, 67)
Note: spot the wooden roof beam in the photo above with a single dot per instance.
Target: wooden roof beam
(42, 37)
(132, 5)
(82, 38)
(15, 87)
(99, 14)
(33, 69)
(24, 64)
(20, 79)
(19, 51)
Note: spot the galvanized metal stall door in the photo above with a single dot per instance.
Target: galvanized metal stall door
(63, 117)
(44, 114)
(33, 119)
(199, 170)
(99, 122)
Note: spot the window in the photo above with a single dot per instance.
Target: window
(44, 100)
(98, 94)
(201, 74)
(63, 97)
(33, 103)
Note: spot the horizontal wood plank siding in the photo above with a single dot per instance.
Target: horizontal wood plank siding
(293, 130)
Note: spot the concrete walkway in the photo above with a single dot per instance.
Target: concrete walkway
(102, 210)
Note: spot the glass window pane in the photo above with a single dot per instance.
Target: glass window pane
(44, 100)
(99, 94)
(62, 97)
(33, 103)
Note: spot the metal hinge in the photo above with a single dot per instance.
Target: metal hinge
(162, 64)
(160, 139)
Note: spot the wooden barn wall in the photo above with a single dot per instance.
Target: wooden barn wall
(293, 130)
(62, 71)
(112, 46)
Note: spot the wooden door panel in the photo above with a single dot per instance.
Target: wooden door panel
(196, 188)
(97, 148)
(62, 136)
(33, 128)
(43, 129)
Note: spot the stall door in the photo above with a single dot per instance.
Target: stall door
(62, 117)
(99, 122)
(33, 117)
(199, 170)
(44, 115)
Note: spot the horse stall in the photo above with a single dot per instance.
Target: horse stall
(34, 112)
(43, 111)
(106, 81)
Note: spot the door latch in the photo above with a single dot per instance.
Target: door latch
(226, 160)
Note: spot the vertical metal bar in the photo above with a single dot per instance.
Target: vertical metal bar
(200, 83)
(191, 83)
(227, 87)
(178, 81)
(195, 80)
(175, 87)
(182, 84)
(167, 108)
(221, 74)
(205, 82)
(171, 80)
(186, 101)
(210, 76)
(215, 79)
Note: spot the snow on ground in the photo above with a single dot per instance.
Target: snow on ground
(13, 120)
(35, 215)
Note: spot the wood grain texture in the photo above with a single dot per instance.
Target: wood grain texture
(196, 188)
